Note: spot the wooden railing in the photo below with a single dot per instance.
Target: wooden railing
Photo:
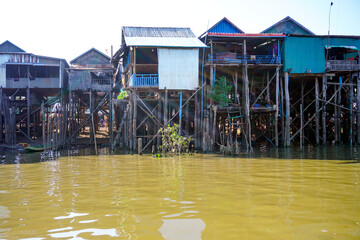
(144, 80)
(233, 58)
(342, 65)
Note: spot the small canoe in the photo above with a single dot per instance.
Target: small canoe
(37, 148)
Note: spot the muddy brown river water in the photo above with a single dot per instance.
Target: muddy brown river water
(182, 198)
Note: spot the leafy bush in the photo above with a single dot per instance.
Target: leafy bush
(173, 142)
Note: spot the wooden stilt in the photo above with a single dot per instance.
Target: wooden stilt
(111, 128)
(302, 114)
(180, 111)
(277, 108)
(282, 112)
(160, 104)
(130, 122)
(213, 134)
(287, 109)
(197, 122)
(336, 115)
(134, 121)
(187, 117)
(317, 118)
(91, 109)
(301, 127)
(339, 114)
(351, 110)
(43, 125)
(358, 106)
(324, 85)
(166, 108)
(28, 110)
(1, 114)
(246, 105)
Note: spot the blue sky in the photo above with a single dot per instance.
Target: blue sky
(67, 28)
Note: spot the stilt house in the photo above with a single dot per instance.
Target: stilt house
(251, 64)
(159, 66)
(26, 80)
(90, 83)
(320, 75)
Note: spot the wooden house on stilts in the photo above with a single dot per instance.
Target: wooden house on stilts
(251, 64)
(91, 78)
(30, 86)
(320, 78)
(160, 73)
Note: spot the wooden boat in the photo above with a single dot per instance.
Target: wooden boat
(37, 148)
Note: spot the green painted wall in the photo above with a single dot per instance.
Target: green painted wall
(304, 54)
(307, 54)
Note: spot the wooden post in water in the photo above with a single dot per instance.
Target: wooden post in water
(134, 121)
(111, 128)
(213, 134)
(197, 122)
(166, 108)
(91, 108)
(336, 116)
(246, 105)
(287, 109)
(160, 100)
(180, 111)
(324, 85)
(28, 110)
(339, 113)
(1, 114)
(302, 114)
(187, 116)
(130, 122)
(277, 108)
(282, 112)
(43, 125)
(358, 106)
(301, 126)
(351, 110)
(140, 146)
(317, 118)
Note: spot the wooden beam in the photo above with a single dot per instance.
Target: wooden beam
(287, 109)
(277, 108)
(324, 83)
(317, 119)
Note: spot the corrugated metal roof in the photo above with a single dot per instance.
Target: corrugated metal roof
(247, 34)
(164, 42)
(158, 32)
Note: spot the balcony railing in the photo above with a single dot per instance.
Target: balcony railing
(233, 58)
(342, 65)
(144, 80)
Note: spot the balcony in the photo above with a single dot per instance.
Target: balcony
(234, 58)
(144, 80)
(342, 65)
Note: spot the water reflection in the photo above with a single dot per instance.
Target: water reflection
(180, 229)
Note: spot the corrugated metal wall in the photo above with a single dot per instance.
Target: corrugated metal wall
(224, 27)
(304, 55)
(178, 68)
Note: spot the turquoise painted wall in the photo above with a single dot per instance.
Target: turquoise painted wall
(304, 54)
(307, 54)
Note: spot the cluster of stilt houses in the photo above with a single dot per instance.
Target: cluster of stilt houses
(288, 87)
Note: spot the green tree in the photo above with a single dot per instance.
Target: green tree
(221, 92)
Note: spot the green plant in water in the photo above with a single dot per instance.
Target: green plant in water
(221, 92)
(173, 142)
